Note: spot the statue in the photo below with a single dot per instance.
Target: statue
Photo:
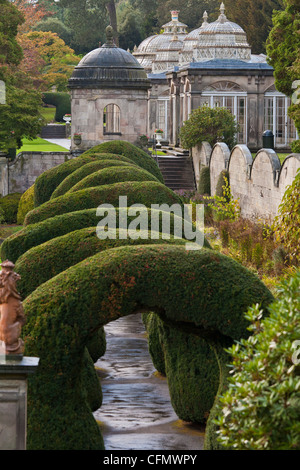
(12, 316)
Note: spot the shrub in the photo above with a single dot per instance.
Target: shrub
(84, 171)
(136, 155)
(200, 290)
(223, 185)
(295, 146)
(61, 101)
(48, 181)
(26, 204)
(9, 205)
(261, 408)
(287, 222)
(148, 193)
(111, 176)
(33, 235)
(208, 125)
(204, 181)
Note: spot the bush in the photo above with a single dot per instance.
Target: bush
(61, 101)
(136, 155)
(295, 146)
(204, 181)
(111, 176)
(148, 193)
(223, 183)
(26, 204)
(42, 262)
(84, 171)
(48, 181)
(9, 205)
(261, 408)
(63, 312)
(208, 125)
(33, 235)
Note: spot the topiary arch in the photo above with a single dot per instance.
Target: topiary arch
(75, 283)
(200, 292)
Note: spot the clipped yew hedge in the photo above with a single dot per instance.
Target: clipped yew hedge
(112, 176)
(84, 171)
(201, 292)
(42, 262)
(48, 181)
(130, 151)
(26, 204)
(36, 234)
(146, 192)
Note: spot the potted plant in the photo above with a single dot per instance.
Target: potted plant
(159, 135)
(77, 138)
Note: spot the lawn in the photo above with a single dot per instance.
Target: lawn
(40, 145)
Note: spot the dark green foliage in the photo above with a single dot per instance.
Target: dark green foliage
(204, 181)
(26, 204)
(223, 176)
(295, 146)
(42, 262)
(130, 151)
(152, 324)
(33, 235)
(48, 181)
(61, 101)
(261, 408)
(63, 312)
(9, 205)
(192, 371)
(111, 176)
(92, 385)
(146, 193)
(96, 345)
(84, 171)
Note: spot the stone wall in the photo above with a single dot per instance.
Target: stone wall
(259, 184)
(23, 171)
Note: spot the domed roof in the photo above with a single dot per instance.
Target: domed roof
(146, 52)
(109, 67)
(221, 39)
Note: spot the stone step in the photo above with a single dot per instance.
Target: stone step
(53, 131)
(178, 171)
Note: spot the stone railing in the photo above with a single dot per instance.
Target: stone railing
(259, 183)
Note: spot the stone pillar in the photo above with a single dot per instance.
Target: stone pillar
(13, 400)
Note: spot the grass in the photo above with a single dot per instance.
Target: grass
(281, 156)
(40, 145)
(48, 114)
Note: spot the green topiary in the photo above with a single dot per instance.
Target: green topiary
(33, 235)
(204, 181)
(9, 205)
(135, 154)
(92, 387)
(26, 204)
(84, 171)
(48, 181)
(261, 408)
(148, 193)
(62, 102)
(153, 324)
(199, 291)
(113, 175)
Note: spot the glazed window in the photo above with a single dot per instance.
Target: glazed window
(111, 119)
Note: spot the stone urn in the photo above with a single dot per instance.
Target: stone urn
(77, 139)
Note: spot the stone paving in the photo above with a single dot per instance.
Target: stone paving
(136, 413)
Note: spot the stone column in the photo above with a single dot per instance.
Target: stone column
(13, 401)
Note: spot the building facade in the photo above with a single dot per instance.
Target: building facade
(212, 65)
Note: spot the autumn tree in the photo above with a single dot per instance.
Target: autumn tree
(19, 115)
(32, 13)
(48, 59)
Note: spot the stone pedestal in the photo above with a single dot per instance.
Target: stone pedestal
(13, 400)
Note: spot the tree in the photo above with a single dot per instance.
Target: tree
(32, 13)
(208, 125)
(54, 60)
(283, 48)
(19, 116)
(255, 17)
(55, 25)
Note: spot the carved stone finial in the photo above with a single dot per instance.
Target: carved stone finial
(12, 316)
(205, 17)
(109, 35)
(222, 18)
